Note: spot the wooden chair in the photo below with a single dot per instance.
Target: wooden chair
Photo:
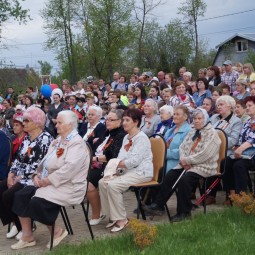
(158, 147)
(221, 168)
(64, 213)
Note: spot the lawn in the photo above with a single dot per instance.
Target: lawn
(228, 231)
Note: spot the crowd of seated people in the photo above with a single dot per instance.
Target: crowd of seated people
(47, 165)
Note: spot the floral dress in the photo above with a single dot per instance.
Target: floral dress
(29, 156)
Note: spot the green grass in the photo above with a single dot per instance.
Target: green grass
(224, 232)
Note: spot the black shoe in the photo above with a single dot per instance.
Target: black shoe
(154, 209)
(146, 213)
(180, 217)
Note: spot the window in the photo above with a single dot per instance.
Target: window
(241, 45)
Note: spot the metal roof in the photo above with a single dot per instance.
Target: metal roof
(248, 36)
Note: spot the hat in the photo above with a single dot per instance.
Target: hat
(18, 118)
(227, 62)
(149, 74)
(155, 78)
(90, 78)
(18, 107)
(90, 95)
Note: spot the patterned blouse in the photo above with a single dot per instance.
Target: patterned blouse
(29, 156)
(247, 133)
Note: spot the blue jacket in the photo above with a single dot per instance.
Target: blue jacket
(5, 154)
(199, 99)
(173, 150)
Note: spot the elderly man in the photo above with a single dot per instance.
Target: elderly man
(230, 76)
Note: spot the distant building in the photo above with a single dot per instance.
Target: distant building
(235, 48)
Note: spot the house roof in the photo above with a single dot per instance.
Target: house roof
(248, 36)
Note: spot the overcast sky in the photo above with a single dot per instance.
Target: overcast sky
(215, 30)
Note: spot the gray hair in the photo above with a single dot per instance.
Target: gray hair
(69, 118)
(230, 101)
(154, 104)
(118, 112)
(167, 108)
(97, 109)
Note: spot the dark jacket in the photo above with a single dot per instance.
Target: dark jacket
(5, 154)
(98, 132)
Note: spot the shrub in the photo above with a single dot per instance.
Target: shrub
(143, 233)
(244, 201)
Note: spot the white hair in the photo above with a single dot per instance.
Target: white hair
(167, 108)
(153, 103)
(97, 109)
(230, 101)
(189, 74)
(69, 118)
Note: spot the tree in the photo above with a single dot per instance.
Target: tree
(142, 9)
(45, 67)
(191, 10)
(110, 31)
(12, 9)
(59, 18)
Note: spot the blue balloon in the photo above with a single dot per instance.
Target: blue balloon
(46, 90)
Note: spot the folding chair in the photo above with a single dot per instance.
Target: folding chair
(158, 147)
(64, 213)
(220, 170)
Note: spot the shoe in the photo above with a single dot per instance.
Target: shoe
(154, 209)
(57, 240)
(118, 228)
(94, 222)
(111, 223)
(22, 244)
(13, 232)
(18, 236)
(146, 213)
(180, 217)
(210, 200)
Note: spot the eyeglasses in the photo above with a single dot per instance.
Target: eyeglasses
(111, 120)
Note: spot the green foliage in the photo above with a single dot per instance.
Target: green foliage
(220, 232)
(12, 10)
(250, 57)
(45, 67)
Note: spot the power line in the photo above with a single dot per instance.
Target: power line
(226, 15)
(228, 31)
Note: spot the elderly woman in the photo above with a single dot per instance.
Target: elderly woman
(93, 131)
(60, 180)
(181, 96)
(209, 106)
(199, 153)
(135, 157)
(175, 136)
(109, 149)
(202, 93)
(151, 119)
(235, 179)
(166, 116)
(19, 134)
(31, 152)
(241, 86)
(240, 111)
(226, 120)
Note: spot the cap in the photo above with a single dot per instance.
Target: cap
(149, 74)
(18, 118)
(227, 62)
(18, 107)
(155, 78)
